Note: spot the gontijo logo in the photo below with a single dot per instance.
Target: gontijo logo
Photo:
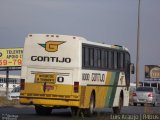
(52, 46)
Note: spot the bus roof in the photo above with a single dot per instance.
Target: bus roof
(80, 38)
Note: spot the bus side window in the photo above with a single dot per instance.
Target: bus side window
(91, 57)
(115, 59)
(122, 60)
(95, 57)
(127, 68)
(83, 53)
(102, 59)
(111, 60)
(85, 57)
(99, 58)
(106, 59)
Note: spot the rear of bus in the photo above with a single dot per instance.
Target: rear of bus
(50, 72)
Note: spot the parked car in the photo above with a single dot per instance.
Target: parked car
(146, 95)
(131, 91)
(14, 94)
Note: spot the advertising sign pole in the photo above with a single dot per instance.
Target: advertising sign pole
(7, 80)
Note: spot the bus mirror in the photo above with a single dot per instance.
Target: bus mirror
(132, 68)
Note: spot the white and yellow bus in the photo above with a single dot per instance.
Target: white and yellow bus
(60, 71)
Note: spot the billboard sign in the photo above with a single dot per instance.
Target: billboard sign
(11, 57)
(152, 72)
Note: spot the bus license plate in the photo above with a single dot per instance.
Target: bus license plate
(46, 77)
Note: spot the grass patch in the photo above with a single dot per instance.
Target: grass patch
(5, 102)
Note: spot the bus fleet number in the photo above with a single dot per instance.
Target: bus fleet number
(85, 76)
(94, 77)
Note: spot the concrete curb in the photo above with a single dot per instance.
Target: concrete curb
(16, 106)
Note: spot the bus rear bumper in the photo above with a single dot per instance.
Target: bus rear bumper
(46, 102)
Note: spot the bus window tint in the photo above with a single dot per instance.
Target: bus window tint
(95, 58)
(91, 56)
(85, 57)
(111, 59)
(99, 58)
(115, 59)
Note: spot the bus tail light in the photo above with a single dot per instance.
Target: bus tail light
(22, 85)
(76, 87)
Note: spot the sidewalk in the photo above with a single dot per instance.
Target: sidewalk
(16, 106)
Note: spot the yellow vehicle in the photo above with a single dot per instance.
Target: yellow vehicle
(60, 71)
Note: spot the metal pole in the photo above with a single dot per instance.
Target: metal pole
(138, 34)
(7, 80)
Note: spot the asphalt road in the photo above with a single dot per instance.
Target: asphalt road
(128, 113)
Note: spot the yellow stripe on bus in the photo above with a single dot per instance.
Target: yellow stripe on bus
(108, 78)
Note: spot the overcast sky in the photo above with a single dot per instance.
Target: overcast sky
(108, 21)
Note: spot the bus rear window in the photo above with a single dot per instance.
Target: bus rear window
(145, 89)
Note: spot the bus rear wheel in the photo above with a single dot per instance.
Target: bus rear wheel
(40, 110)
(117, 110)
(89, 111)
(75, 111)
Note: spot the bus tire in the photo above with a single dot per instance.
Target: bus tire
(75, 111)
(43, 110)
(117, 110)
(89, 111)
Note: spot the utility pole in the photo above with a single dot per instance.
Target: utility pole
(138, 44)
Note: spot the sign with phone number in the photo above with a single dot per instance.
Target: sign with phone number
(11, 57)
